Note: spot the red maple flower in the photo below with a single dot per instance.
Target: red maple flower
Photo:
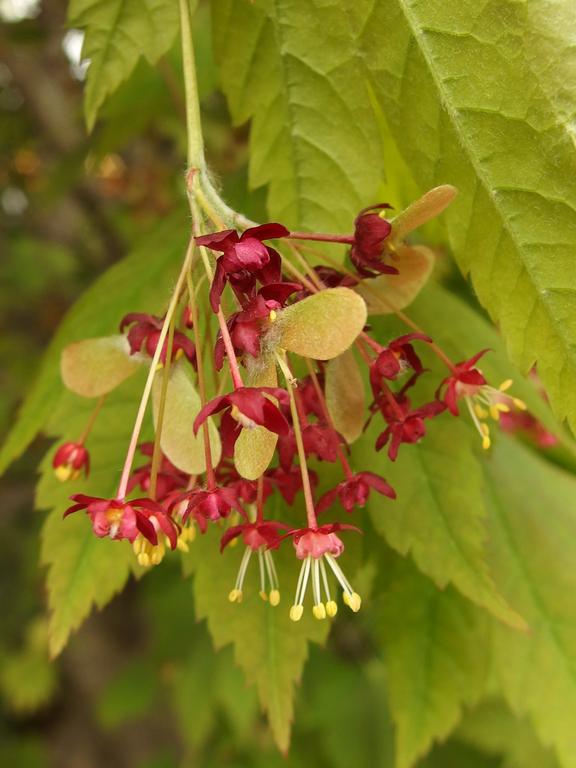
(318, 439)
(255, 535)
(247, 326)
(468, 383)
(370, 233)
(287, 481)
(144, 335)
(246, 490)
(70, 460)
(245, 259)
(250, 407)
(208, 504)
(121, 519)
(405, 424)
(317, 547)
(354, 491)
(259, 537)
(464, 380)
(395, 359)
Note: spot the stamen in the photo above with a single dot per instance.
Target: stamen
(344, 583)
(318, 610)
(274, 595)
(262, 592)
(482, 428)
(235, 595)
(297, 609)
(331, 605)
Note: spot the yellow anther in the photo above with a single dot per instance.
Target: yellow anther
(331, 608)
(144, 559)
(65, 472)
(182, 544)
(263, 595)
(494, 412)
(235, 596)
(482, 413)
(353, 601)
(520, 404)
(296, 612)
(179, 354)
(137, 545)
(274, 597)
(505, 385)
(319, 611)
(273, 315)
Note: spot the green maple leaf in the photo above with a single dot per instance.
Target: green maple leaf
(269, 647)
(298, 75)
(117, 34)
(84, 571)
(436, 659)
(438, 72)
(532, 526)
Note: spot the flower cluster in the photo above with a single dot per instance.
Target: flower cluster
(221, 464)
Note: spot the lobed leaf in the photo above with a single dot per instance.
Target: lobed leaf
(532, 528)
(439, 514)
(313, 138)
(270, 649)
(117, 34)
(438, 69)
(83, 570)
(435, 644)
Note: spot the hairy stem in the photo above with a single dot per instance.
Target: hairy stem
(193, 122)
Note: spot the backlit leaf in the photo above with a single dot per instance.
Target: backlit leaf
(322, 326)
(436, 649)
(83, 570)
(178, 441)
(439, 513)
(387, 294)
(481, 94)
(298, 75)
(344, 391)
(270, 649)
(117, 34)
(94, 367)
(254, 448)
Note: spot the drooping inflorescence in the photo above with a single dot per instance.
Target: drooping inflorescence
(277, 387)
